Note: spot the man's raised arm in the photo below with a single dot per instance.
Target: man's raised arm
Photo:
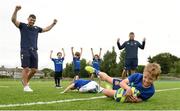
(48, 28)
(14, 16)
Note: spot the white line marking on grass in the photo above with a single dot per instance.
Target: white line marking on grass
(170, 89)
(4, 86)
(68, 100)
(51, 102)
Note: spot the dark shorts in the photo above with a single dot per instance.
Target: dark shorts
(29, 58)
(76, 72)
(116, 84)
(58, 74)
(131, 64)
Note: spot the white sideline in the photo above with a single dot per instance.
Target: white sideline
(68, 100)
(50, 102)
(4, 86)
(171, 89)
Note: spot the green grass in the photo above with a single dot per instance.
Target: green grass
(44, 90)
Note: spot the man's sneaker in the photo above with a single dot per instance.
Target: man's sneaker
(90, 69)
(27, 89)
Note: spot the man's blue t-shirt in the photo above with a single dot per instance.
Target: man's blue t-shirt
(131, 48)
(135, 80)
(76, 63)
(96, 63)
(81, 82)
(58, 64)
(29, 36)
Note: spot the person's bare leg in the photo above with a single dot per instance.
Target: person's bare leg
(25, 73)
(31, 74)
(105, 77)
(124, 74)
(132, 71)
(76, 77)
(109, 92)
(92, 77)
(99, 80)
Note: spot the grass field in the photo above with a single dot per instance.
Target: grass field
(44, 91)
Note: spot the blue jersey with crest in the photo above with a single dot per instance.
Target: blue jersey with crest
(58, 64)
(29, 36)
(76, 63)
(96, 63)
(135, 80)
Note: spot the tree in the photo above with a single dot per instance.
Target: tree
(121, 62)
(166, 61)
(140, 68)
(68, 71)
(48, 72)
(83, 73)
(176, 69)
(109, 64)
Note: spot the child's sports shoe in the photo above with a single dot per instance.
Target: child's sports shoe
(91, 70)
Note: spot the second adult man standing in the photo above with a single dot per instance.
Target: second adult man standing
(131, 53)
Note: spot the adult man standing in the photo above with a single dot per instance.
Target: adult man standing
(29, 38)
(131, 53)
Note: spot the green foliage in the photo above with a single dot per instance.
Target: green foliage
(109, 64)
(166, 61)
(176, 69)
(5, 76)
(68, 70)
(83, 73)
(121, 61)
(48, 72)
(140, 68)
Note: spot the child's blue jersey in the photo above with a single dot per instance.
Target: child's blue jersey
(81, 82)
(96, 63)
(76, 63)
(135, 80)
(58, 64)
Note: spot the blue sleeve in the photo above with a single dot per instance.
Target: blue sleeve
(121, 46)
(63, 59)
(141, 45)
(21, 25)
(132, 77)
(40, 29)
(75, 83)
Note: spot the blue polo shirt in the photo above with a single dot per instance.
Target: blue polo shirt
(29, 36)
(80, 82)
(131, 48)
(58, 64)
(96, 63)
(76, 63)
(135, 80)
